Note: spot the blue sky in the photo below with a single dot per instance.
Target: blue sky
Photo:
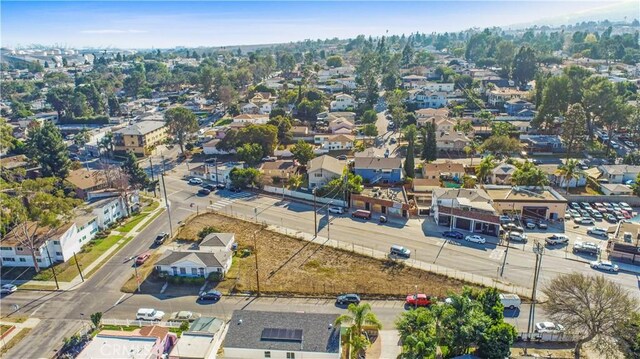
(163, 24)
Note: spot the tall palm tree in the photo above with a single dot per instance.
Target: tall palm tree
(107, 144)
(486, 165)
(569, 171)
(471, 149)
(358, 317)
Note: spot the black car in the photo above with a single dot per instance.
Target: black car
(235, 189)
(348, 299)
(204, 191)
(210, 295)
(221, 186)
(453, 234)
(210, 187)
(162, 236)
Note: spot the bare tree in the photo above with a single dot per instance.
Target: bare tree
(116, 178)
(590, 307)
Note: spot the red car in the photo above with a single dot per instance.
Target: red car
(142, 258)
(422, 301)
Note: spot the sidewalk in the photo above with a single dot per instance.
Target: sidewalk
(29, 323)
(100, 260)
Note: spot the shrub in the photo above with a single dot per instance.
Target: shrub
(184, 326)
(206, 231)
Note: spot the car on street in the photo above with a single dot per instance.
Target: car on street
(160, 238)
(149, 314)
(475, 239)
(383, 219)
(598, 231)
(195, 181)
(630, 144)
(210, 187)
(584, 220)
(517, 237)
(184, 316)
(604, 265)
(512, 227)
(204, 191)
(348, 299)
(221, 186)
(8, 289)
(399, 251)
(142, 258)
(235, 189)
(505, 219)
(557, 239)
(362, 214)
(586, 247)
(212, 295)
(393, 141)
(336, 210)
(548, 327)
(342, 157)
(420, 300)
(453, 234)
(510, 301)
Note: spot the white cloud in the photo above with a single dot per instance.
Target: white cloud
(113, 31)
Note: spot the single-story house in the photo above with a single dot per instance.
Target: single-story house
(619, 173)
(194, 263)
(447, 169)
(501, 174)
(85, 180)
(615, 189)
(280, 168)
(201, 341)
(150, 342)
(323, 169)
(211, 148)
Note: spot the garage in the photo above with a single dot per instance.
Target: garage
(444, 220)
(463, 223)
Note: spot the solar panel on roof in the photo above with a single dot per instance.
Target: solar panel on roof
(294, 335)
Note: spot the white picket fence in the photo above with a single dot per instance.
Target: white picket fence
(140, 323)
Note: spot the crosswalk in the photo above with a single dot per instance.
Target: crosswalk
(497, 254)
(222, 203)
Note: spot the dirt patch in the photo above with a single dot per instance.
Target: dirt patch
(290, 265)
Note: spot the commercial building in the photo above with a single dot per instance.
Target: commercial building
(531, 202)
(386, 201)
(144, 343)
(467, 209)
(141, 137)
(624, 246)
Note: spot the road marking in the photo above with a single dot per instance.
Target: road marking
(187, 209)
(221, 203)
(118, 301)
(37, 309)
(497, 254)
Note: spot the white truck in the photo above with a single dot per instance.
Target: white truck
(510, 301)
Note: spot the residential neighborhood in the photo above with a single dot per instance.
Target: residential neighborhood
(421, 193)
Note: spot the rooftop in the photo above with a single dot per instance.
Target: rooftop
(141, 128)
(327, 163)
(207, 325)
(278, 165)
(446, 167)
(205, 258)
(107, 347)
(620, 169)
(523, 194)
(471, 194)
(313, 332)
(392, 193)
(377, 162)
(217, 240)
(192, 346)
(86, 179)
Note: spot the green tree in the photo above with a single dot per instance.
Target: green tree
(489, 299)
(529, 175)
(302, 152)
(46, 146)
(182, 122)
(6, 136)
(501, 145)
(82, 137)
(369, 116)
(487, 164)
(524, 66)
(554, 102)
(60, 99)
(591, 307)
(574, 128)
(569, 171)
(96, 318)
(495, 342)
(636, 186)
(417, 330)
(429, 145)
(136, 176)
(334, 61)
(504, 56)
(295, 181)
(370, 130)
(283, 124)
(38, 209)
(463, 323)
(106, 143)
(241, 178)
(251, 153)
(358, 317)
(471, 150)
(410, 133)
(264, 135)
(628, 335)
(502, 129)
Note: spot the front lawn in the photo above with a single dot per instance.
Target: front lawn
(127, 227)
(223, 122)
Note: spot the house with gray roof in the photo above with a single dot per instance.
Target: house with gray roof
(194, 263)
(379, 169)
(218, 242)
(258, 334)
(323, 169)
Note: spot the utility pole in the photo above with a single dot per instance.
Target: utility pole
(538, 249)
(315, 215)
(328, 224)
(78, 265)
(135, 267)
(152, 178)
(166, 201)
(52, 269)
(255, 249)
(216, 163)
(504, 260)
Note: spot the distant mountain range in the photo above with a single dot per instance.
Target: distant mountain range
(615, 11)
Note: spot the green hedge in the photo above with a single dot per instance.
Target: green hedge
(186, 280)
(95, 120)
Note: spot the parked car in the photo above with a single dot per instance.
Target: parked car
(348, 299)
(142, 258)
(336, 210)
(221, 186)
(505, 219)
(548, 327)
(597, 215)
(210, 187)
(422, 300)
(574, 205)
(362, 214)
(542, 225)
(382, 219)
(399, 251)
(626, 207)
(510, 301)
(530, 224)
(393, 141)
(160, 238)
(604, 265)
(584, 220)
(596, 231)
(512, 227)
(586, 247)
(8, 289)
(453, 234)
(610, 218)
(204, 191)
(149, 314)
(585, 205)
(517, 237)
(475, 239)
(212, 295)
(195, 181)
(235, 189)
(557, 239)
(184, 316)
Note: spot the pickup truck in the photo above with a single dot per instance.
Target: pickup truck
(586, 247)
(423, 300)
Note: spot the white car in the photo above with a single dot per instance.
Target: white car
(598, 231)
(549, 327)
(195, 181)
(336, 210)
(626, 207)
(604, 265)
(8, 288)
(475, 239)
(584, 220)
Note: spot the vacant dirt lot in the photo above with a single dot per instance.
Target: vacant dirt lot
(290, 265)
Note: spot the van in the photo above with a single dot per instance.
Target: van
(510, 301)
(399, 251)
(362, 214)
(149, 314)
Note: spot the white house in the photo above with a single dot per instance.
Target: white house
(194, 263)
(58, 246)
(250, 108)
(211, 148)
(323, 169)
(217, 242)
(256, 119)
(428, 99)
(335, 142)
(108, 210)
(342, 102)
(213, 173)
(282, 335)
(341, 125)
(437, 87)
(619, 173)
